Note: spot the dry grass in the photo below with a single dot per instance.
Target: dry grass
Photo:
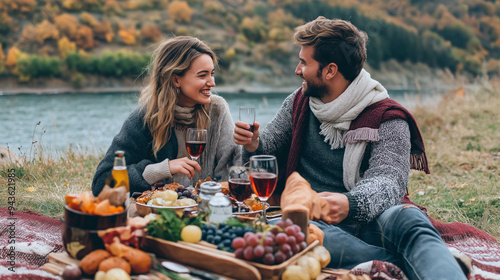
(461, 136)
(42, 182)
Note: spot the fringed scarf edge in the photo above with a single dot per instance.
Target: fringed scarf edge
(418, 161)
(361, 134)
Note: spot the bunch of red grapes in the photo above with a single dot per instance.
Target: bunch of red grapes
(273, 246)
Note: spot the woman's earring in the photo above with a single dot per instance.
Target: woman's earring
(177, 90)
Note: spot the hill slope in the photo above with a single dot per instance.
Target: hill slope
(89, 41)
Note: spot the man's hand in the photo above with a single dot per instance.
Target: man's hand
(339, 205)
(184, 165)
(243, 135)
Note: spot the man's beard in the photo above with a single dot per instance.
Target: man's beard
(315, 89)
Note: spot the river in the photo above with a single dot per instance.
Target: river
(88, 122)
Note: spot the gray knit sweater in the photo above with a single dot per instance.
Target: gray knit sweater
(385, 169)
(135, 139)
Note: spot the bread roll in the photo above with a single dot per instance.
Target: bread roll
(90, 263)
(114, 262)
(139, 261)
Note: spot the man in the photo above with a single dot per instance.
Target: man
(355, 146)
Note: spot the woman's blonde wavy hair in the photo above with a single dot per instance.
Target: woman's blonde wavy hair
(158, 98)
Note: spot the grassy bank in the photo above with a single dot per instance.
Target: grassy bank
(461, 136)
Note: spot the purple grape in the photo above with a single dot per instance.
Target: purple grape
(248, 253)
(299, 236)
(239, 253)
(268, 241)
(238, 242)
(285, 248)
(279, 257)
(291, 240)
(268, 259)
(258, 251)
(281, 238)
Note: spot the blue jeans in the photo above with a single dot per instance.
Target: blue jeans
(402, 235)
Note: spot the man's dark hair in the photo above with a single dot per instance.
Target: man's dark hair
(336, 41)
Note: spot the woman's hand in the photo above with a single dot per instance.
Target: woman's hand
(243, 135)
(184, 165)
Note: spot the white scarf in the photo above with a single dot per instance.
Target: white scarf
(336, 117)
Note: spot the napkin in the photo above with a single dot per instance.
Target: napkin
(299, 194)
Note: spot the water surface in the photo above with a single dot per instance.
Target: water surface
(89, 121)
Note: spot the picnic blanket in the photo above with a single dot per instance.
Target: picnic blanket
(26, 240)
(36, 237)
(470, 245)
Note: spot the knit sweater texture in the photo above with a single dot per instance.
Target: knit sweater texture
(385, 168)
(135, 139)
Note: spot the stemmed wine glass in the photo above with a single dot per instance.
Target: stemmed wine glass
(263, 176)
(247, 115)
(239, 184)
(196, 140)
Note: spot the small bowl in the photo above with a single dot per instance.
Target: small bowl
(80, 230)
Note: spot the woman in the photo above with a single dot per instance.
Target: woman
(176, 98)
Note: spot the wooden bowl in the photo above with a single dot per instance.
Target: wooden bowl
(80, 230)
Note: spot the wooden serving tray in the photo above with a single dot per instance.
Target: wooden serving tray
(217, 261)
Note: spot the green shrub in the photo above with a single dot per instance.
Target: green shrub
(33, 66)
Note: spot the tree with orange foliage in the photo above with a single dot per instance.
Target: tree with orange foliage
(2, 57)
(22, 7)
(73, 5)
(46, 30)
(12, 56)
(180, 11)
(104, 31)
(151, 32)
(127, 37)
(66, 46)
(6, 23)
(88, 19)
(67, 24)
(85, 38)
(111, 7)
(254, 29)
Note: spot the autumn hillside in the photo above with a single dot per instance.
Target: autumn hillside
(87, 42)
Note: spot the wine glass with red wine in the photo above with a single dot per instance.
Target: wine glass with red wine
(247, 115)
(196, 140)
(239, 184)
(263, 177)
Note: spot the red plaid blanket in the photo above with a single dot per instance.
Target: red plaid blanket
(34, 237)
(26, 240)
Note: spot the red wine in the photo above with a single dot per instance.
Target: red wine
(240, 189)
(263, 184)
(195, 148)
(251, 128)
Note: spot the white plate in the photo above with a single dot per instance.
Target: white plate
(144, 209)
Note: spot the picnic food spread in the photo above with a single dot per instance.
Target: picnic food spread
(108, 243)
